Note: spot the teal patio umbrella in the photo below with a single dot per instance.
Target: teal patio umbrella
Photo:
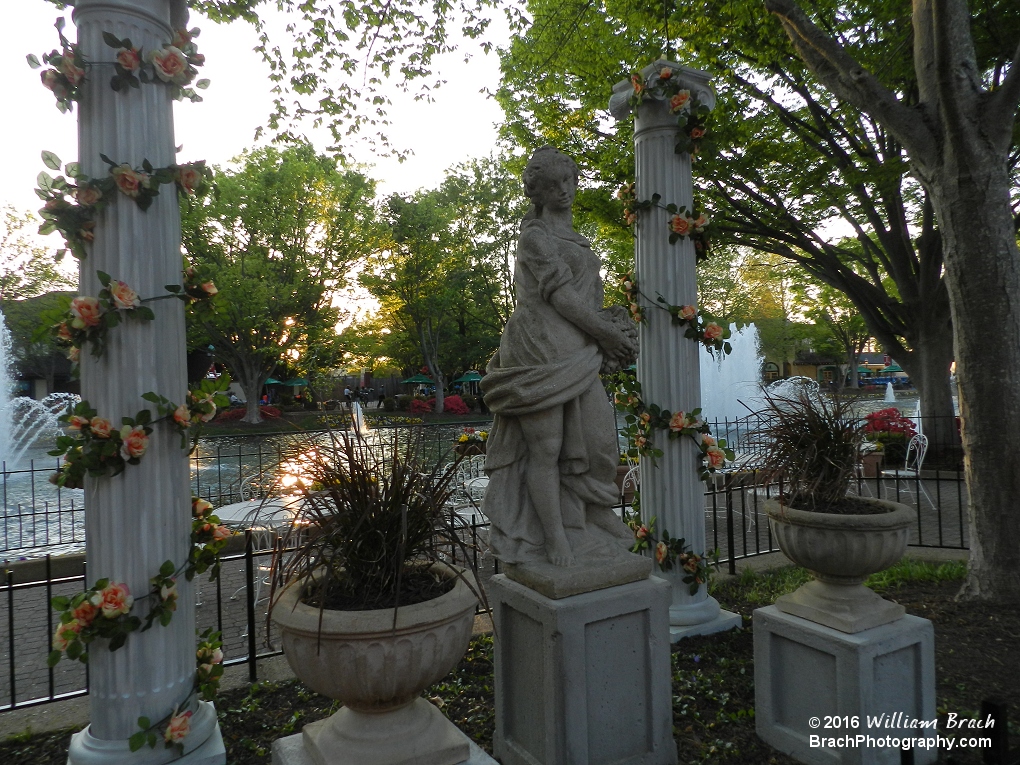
(469, 377)
(273, 381)
(418, 379)
(296, 382)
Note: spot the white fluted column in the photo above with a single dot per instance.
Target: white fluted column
(668, 364)
(139, 519)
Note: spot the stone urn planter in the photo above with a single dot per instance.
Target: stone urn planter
(378, 671)
(841, 551)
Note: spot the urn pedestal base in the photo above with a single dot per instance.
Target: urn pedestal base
(879, 683)
(583, 679)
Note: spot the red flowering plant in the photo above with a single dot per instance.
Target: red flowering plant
(66, 74)
(174, 64)
(672, 552)
(96, 447)
(890, 431)
(692, 116)
(88, 319)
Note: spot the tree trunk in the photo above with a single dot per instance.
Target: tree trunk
(983, 268)
(928, 367)
(252, 396)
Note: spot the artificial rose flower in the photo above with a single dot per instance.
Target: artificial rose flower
(129, 181)
(688, 312)
(200, 508)
(697, 132)
(661, 552)
(645, 418)
(679, 101)
(135, 441)
(64, 332)
(101, 427)
(707, 440)
(678, 422)
(217, 656)
(168, 594)
(56, 203)
(181, 38)
(66, 632)
(629, 217)
(74, 354)
(716, 457)
(628, 285)
(75, 75)
(665, 73)
(123, 296)
(641, 532)
(695, 422)
(84, 613)
(53, 80)
(86, 311)
(680, 224)
(700, 222)
(713, 331)
(113, 600)
(691, 565)
(209, 288)
(639, 87)
(85, 233)
(182, 416)
(129, 59)
(87, 195)
(635, 310)
(189, 177)
(171, 65)
(77, 422)
(178, 727)
(626, 191)
(221, 532)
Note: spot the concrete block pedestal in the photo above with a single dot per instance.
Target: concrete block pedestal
(806, 672)
(583, 680)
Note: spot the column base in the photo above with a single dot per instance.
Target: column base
(291, 750)
(584, 678)
(878, 684)
(88, 750)
(724, 621)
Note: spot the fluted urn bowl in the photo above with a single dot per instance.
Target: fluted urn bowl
(378, 669)
(841, 551)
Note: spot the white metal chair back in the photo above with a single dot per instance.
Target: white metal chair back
(917, 448)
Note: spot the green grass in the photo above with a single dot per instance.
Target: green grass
(763, 587)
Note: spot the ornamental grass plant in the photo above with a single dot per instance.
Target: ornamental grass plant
(810, 448)
(372, 519)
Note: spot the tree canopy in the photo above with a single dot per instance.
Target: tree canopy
(279, 236)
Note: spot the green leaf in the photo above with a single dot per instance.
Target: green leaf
(114, 42)
(104, 278)
(136, 741)
(167, 568)
(51, 160)
(60, 603)
(145, 313)
(202, 84)
(53, 658)
(33, 61)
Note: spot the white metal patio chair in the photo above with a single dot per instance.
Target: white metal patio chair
(904, 479)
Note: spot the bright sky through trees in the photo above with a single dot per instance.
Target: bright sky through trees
(459, 125)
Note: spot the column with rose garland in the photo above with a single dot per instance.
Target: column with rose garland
(668, 364)
(141, 518)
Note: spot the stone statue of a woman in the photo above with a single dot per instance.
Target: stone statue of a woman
(552, 451)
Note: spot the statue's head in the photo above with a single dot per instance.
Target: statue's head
(546, 163)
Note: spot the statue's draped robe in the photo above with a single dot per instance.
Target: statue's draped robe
(546, 364)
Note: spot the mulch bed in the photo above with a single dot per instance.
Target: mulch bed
(977, 648)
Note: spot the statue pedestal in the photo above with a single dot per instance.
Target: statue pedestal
(585, 678)
(882, 679)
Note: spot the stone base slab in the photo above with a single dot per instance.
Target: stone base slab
(725, 620)
(586, 576)
(844, 608)
(583, 679)
(87, 750)
(291, 751)
(805, 672)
